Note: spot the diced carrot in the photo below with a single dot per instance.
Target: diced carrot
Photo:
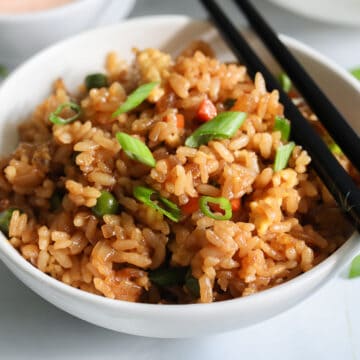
(191, 206)
(180, 121)
(206, 110)
(235, 204)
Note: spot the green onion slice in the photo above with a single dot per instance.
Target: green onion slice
(282, 125)
(192, 284)
(5, 217)
(282, 156)
(3, 71)
(168, 277)
(285, 82)
(355, 267)
(55, 117)
(161, 204)
(96, 81)
(223, 203)
(222, 126)
(356, 72)
(135, 149)
(136, 98)
(335, 149)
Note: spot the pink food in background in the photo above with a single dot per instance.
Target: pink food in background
(21, 6)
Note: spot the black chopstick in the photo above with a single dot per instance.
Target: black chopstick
(327, 113)
(336, 179)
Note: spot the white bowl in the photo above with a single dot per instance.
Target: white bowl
(345, 12)
(85, 53)
(23, 34)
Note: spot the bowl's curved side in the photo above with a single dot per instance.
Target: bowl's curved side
(145, 319)
(328, 11)
(176, 321)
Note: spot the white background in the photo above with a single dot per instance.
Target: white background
(325, 326)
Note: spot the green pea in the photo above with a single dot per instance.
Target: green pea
(5, 217)
(105, 204)
(96, 81)
(192, 284)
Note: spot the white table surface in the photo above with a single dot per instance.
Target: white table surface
(325, 326)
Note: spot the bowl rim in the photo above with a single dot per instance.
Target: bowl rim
(49, 13)
(9, 254)
(317, 16)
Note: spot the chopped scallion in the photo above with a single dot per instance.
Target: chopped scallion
(223, 203)
(168, 277)
(356, 72)
(55, 117)
(3, 71)
(192, 284)
(285, 82)
(282, 156)
(135, 149)
(355, 267)
(153, 199)
(136, 98)
(282, 125)
(222, 126)
(5, 217)
(96, 81)
(335, 149)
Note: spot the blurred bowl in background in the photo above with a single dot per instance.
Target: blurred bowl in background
(345, 12)
(23, 34)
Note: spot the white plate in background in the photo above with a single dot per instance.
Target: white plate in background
(346, 12)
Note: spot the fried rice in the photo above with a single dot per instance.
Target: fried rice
(279, 227)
